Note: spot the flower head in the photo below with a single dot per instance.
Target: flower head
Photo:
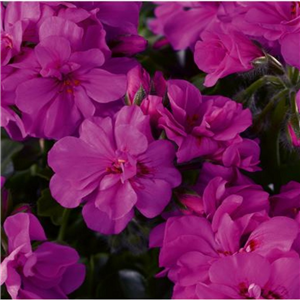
(49, 271)
(116, 166)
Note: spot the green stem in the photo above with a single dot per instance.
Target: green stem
(275, 65)
(91, 275)
(249, 91)
(62, 230)
(295, 76)
(268, 108)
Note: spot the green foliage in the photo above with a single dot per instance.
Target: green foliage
(48, 207)
(8, 149)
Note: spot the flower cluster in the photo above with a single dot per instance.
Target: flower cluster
(220, 34)
(59, 64)
(229, 242)
(138, 143)
(47, 271)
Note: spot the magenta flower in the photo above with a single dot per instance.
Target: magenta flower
(8, 118)
(69, 83)
(146, 92)
(182, 22)
(244, 155)
(141, 85)
(221, 53)
(290, 48)
(51, 271)
(270, 20)
(12, 124)
(114, 166)
(232, 175)
(138, 78)
(189, 247)
(201, 125)
(250, 276)
(247, 205)
(11, 36)
(287, 202)
(120, 21)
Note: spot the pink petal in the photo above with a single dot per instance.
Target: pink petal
(99, 221)
(103, 86)
(153, 195)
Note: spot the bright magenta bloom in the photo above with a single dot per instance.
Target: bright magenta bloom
(202, 125)
(224, 52)
(51, 271)
(250, 276)
(69, 83)
(190, 249)
(114, 166)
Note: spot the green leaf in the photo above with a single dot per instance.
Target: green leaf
(8, 149)
(48, 207)
(132, 284)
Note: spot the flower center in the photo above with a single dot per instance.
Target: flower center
(69, 85)
(295, 7)
(253, 291)
(251, 245)
(277, 293)
(117, 167)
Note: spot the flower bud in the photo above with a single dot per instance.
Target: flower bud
(129, 45)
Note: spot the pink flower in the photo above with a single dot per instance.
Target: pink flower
(271, 20)
(146, 92)
(69, 83)
(190, 248)
(11, 36)
(220, 53)
(251, 276)
(12, 124)
(290, 48)
(201, 125)
(287, 202)
(140, 85)
(49, 271)
(120, 21)
(244, 155)
(182, 23)
(10, 120)
(114, 166)
(246, 204)
(232, 175)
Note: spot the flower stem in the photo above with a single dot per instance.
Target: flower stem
(295, 76)
(62, 230)
(249, 91)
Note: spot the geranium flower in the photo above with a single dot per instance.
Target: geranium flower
(201, 125)
(114, 166)
(51, 271)
(65, 88)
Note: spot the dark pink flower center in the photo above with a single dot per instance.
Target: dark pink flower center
(295, 7)
(192, 120)
(116, 167)
(251, 245)
(142, 169)
(224, 253)
(251, 291)
(69, 85)
(278, 293)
